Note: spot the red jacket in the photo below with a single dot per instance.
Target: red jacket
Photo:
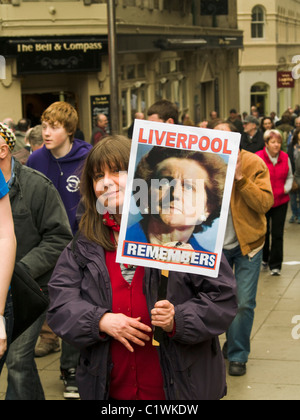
(134, 376)
(278, 175)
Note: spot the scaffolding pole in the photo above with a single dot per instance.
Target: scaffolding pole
(113, 67)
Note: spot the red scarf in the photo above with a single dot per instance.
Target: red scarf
(109, 221)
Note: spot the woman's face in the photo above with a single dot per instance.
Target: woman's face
(274, 146)
(109, 186)
(180, 200)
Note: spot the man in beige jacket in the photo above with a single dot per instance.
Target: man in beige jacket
(251, 199)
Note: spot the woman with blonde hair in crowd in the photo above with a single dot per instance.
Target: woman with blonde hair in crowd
(281, 175)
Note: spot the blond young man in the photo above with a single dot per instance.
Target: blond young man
(61, 159)
(62, 156)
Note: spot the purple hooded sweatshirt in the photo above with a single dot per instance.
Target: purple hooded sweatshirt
(64, 173)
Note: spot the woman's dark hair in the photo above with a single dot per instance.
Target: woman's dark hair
(295, 136)
(112, 152)
(212, 163)
(262, 123)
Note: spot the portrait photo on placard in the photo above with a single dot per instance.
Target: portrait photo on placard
(177, 197)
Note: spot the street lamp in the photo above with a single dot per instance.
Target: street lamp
(112, 52)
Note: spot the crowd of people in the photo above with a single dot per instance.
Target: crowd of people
(104, 313)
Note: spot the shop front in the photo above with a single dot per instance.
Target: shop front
(40, 71)
(198, 73)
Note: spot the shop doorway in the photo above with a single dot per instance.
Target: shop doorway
(34, 104)
(204, 101)
(260, 98)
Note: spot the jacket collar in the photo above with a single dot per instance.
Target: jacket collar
(273, 161)
(14, 183)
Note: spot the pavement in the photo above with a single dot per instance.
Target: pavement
(273, 369)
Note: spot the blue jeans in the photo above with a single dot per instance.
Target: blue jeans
(23, 381)
(69, 356)
(9, 319)
(295, 204)
(247, 272)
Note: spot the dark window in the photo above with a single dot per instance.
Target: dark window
(214, 7)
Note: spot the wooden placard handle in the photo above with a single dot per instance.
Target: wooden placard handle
(162, 294)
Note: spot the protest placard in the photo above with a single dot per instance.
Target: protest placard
(177, 197)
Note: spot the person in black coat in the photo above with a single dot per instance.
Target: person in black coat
(252, 139)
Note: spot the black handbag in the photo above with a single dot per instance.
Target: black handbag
(29, 301)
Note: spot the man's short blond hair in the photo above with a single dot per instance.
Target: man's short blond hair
(64, 114)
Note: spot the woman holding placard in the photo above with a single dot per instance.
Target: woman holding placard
(281, 175)
(108, 310)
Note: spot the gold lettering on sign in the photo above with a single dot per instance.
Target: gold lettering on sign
(57, 46)
(25, 48)
(43, 47)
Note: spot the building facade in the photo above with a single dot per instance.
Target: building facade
(270, 60)
(182, 50)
